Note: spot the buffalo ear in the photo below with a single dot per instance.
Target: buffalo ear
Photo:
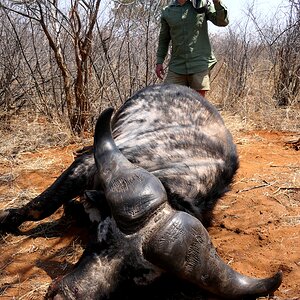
(93, 196)
(95, 204)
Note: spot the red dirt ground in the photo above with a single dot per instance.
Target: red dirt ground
(256, 228)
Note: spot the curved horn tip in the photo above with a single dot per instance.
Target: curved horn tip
(103, 124)
(108, 111)
(247, 288)
(272, 284)
(277, 279)
(105, 114)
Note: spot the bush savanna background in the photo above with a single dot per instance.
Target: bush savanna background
(63, 62)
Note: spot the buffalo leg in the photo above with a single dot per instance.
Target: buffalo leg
(69, 185)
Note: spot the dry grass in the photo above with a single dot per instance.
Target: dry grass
(26, 134)
(25, 153)
(257, 107)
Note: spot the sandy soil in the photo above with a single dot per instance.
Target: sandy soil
(256, 227)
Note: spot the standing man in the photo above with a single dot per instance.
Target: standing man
(184, 23)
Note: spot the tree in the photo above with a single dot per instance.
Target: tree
(77, 27)
(287, 79)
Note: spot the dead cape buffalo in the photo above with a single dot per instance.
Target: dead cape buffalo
(149, 183)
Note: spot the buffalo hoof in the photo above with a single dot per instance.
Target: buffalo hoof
(55, 290)
(9, 221)
(74, 213)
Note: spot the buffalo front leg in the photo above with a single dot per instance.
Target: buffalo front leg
(70, 184)
(181, 245)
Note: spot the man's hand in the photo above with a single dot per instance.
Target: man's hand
(159, 70)
(216, 1)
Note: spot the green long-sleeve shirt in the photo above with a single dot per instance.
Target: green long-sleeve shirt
(187, 31)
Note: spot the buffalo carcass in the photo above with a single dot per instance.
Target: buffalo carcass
(150, 185)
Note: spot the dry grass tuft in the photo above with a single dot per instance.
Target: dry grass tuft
(257, 107)
(27, 134)
(17, 197)
(37, 291)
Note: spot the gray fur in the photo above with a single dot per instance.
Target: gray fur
(175, 134)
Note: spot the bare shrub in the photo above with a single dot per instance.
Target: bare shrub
(246, 79)
(57, 63)
(287, 71)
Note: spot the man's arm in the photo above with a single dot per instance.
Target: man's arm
(218, 14)
(163, 45)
